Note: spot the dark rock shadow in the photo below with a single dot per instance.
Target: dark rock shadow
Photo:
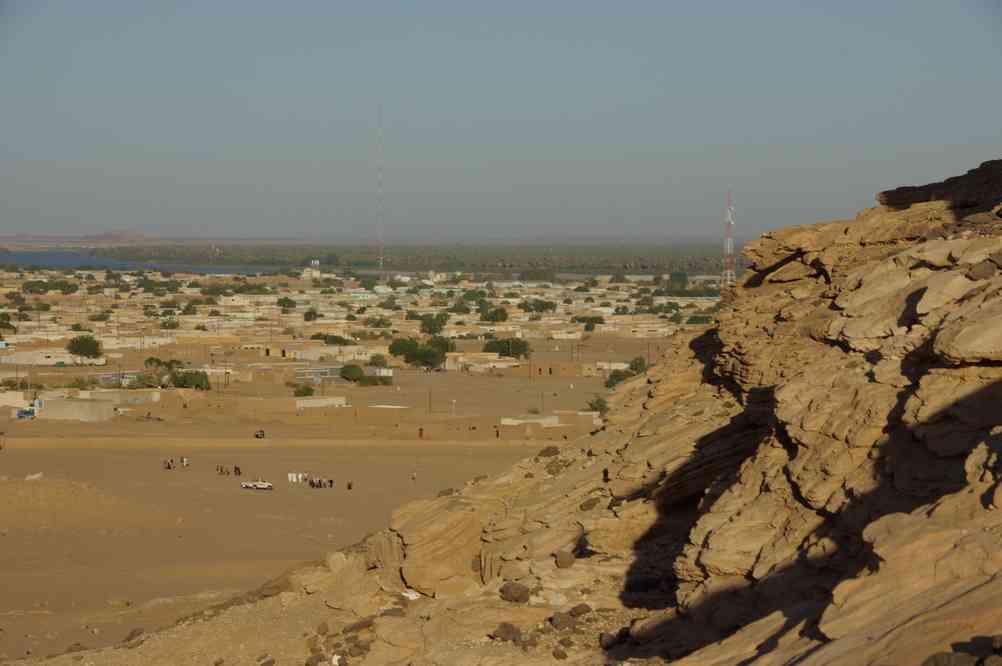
(802, 590)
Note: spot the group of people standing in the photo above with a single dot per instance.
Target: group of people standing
(169, 463)
(294, 477)
(313, 481)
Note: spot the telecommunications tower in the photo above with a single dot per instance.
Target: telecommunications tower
(379, 191)
(728, 278)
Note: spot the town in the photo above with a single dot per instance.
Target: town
(425, 356)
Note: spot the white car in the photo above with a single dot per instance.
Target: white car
(256, 485)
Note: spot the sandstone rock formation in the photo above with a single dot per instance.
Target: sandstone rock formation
(815, 479)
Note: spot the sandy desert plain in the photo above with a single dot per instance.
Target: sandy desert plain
(99, 540)
(107, 541)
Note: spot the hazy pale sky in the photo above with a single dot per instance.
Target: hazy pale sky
(574, 120)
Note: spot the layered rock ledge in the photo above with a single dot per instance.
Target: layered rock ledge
(813, 480)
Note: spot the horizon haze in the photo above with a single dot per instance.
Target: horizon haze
(573, 123)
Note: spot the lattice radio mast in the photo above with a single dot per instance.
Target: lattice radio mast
(728, 278)
(379, 191)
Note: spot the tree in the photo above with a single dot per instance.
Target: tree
(333, 340)
(589, 321)
(193, 379)
(286, 303)
(444, 345)
(84, 345)
(302, 391)
(495, 315)
(170, 324)
(638, 365)
(538, 305)
(352, 373)
(378, 322)
(433, 324)
(512, 347)
(402, 347)
(432, 354)
(378, 361)
(311, 315)
(428, 356)
(617, 376)
(599, 405)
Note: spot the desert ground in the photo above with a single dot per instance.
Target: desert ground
(98, 539)
(108, 541)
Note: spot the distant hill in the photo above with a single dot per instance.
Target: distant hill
(117, 237)
(27, 241)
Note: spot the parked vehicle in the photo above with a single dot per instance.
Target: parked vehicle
(259, 434)
(258, 484)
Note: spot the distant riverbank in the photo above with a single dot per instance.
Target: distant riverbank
(78, 259)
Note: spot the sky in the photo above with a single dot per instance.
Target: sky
(577, 120)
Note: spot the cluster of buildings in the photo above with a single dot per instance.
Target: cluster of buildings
(303, 329)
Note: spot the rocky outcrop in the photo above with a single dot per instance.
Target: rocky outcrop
(815, 480)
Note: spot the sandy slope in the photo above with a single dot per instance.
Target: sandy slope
(108, 541)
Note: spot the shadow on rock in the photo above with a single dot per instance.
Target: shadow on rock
(801, 588)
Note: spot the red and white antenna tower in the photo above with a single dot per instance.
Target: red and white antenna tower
(728, 278)
(379, 191)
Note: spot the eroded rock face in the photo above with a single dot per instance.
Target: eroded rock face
(812, 480)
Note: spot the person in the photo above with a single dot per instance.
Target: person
(350, 485)
(236, 470)
(413, 476)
